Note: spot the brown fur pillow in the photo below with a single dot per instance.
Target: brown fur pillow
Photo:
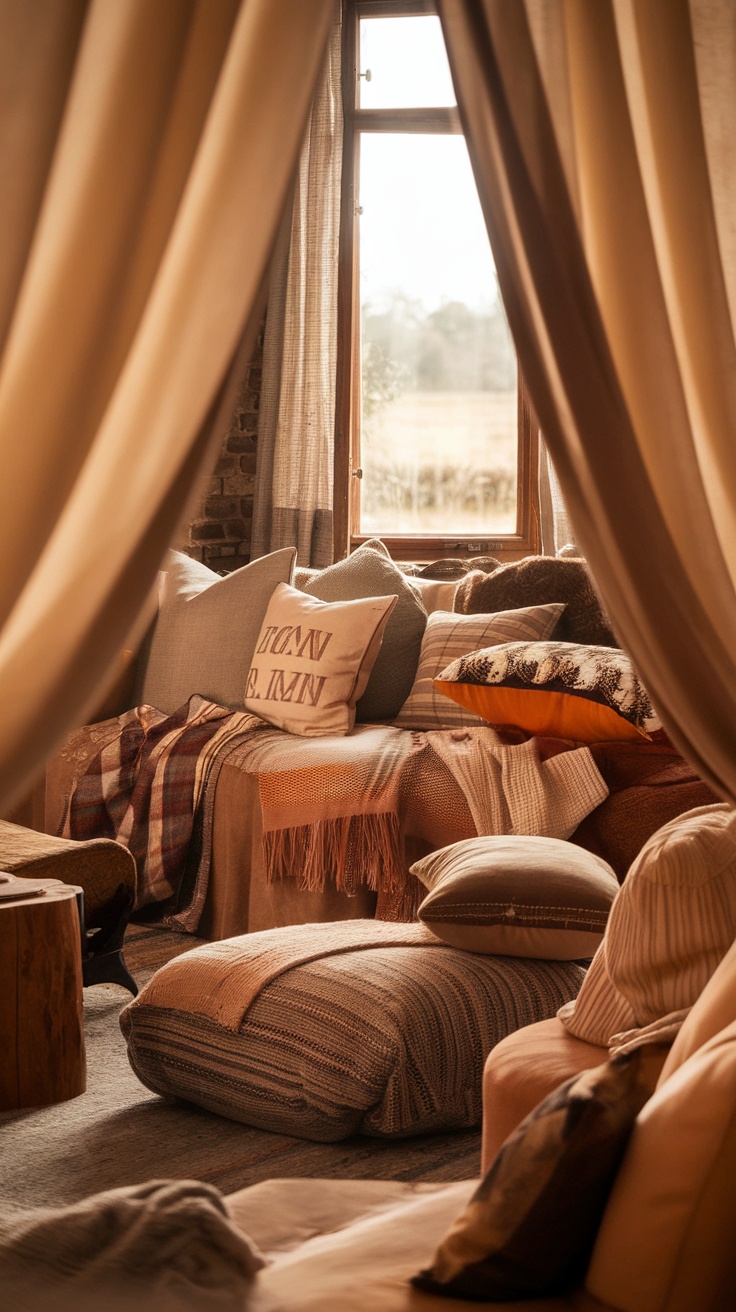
(537, 580)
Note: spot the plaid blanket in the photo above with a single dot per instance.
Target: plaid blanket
(146, 787)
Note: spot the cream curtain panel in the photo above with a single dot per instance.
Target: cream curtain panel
(602, 136)
(146, 149)
(294, 476)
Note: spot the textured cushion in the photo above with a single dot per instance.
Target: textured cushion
(371, 573)
(312, 660)
(537, 579)
(382, 1040)
(517, 896)
(666, 1243)
(448, 637)
(556, 689)
(206, 630)
(672, 922)
(98, 865)
(530, 1226)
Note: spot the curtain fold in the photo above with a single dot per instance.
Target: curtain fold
(292, 504)
(601, 136)
(159, 137)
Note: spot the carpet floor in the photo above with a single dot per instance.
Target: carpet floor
(119, 1133)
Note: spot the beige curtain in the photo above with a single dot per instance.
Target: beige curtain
(555, 528)
(146, 148)
(294, 476)
(602, 136)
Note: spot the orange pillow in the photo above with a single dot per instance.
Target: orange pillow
(553, 689)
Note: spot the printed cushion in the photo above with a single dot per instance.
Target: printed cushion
(666, 1240)
(517, 896)
(312, 660)
(370, 572)
(530, 1226)
(205, 634)
(448, 637)
(350, 1034)
(672, 922)
(555, 689)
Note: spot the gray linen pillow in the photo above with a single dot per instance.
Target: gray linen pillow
(368, 572)
(206, 630)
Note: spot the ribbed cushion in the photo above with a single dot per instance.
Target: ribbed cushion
(383, 1041)
(449, 636)
(370, 572)
(98, 865)
(672, 922)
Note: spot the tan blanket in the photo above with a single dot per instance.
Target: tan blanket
(221, 980)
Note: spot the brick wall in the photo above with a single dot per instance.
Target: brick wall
(219, 536)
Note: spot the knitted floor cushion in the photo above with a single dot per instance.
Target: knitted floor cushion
(329, 1030)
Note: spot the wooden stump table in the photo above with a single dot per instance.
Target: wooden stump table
(42, 1057)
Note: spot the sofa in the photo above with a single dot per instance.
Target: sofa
(236, 872)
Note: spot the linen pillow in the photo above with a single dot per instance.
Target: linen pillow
(556, 689)
(530, 1226)
(370, 572)
(665, 1243)
(205, 634)
(672, 922)
(517, 896)
(449, 636)
(312, 660)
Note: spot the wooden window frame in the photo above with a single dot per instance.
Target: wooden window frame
(426, 547)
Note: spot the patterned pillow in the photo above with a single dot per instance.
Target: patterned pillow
(530, 1227)
(519, 896)
(449, 636)
(312, 660)
(370, 572)
(555, 689)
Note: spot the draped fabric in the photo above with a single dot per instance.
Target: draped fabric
(146, 148)
(602, 140)
(555, 530)
(294, 476)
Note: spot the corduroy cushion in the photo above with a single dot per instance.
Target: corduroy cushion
(205, 634)
(449, 636)
(672, 922)
(518, 896)
(383, 1040)
(370, 572)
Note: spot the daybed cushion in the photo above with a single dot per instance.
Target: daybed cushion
(672, 922)
(517, 895)
(206, 630)
(449, 636)
(358, 1027)
(370, 572)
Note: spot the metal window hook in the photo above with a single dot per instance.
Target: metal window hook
(367, 75)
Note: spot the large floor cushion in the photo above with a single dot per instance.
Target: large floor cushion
(329, 1030)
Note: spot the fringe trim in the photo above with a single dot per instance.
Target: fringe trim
(347, 853)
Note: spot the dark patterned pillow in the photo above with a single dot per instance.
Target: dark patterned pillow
(530, 1227)
(557, 689)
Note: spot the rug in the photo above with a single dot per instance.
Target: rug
(119, 1133)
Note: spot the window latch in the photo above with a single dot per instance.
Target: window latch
(367, 75)
(357, 473)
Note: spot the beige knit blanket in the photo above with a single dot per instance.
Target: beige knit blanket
(221, 980)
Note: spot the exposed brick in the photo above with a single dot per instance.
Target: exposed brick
(226, 464)
(206, 531)
(233, 486)
(238, 444)
(222, 507)
(234, 529)
(248, 464)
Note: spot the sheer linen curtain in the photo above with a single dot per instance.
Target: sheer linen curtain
(146, 148)
(294, 474)
(602, 139)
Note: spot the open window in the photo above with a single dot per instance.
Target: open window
(435, 444)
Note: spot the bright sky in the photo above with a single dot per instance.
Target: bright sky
(422, 230)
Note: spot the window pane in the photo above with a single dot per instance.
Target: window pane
(438, 444)
(407, 62)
